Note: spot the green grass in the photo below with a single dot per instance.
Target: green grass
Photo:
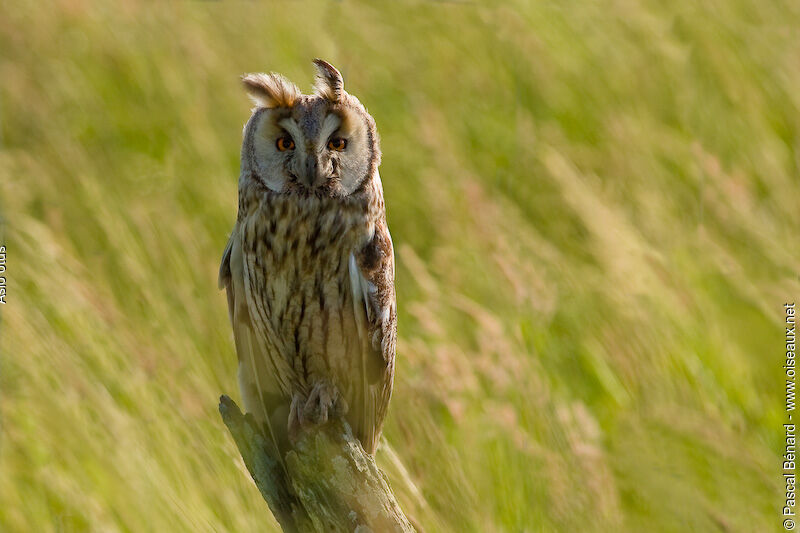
(595, 213)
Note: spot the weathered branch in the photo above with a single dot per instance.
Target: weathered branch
(327, 482)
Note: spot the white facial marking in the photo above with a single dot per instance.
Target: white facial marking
(294, 130)
(330, 124)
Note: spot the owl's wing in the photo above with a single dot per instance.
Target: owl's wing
(259, 389)
(372, 281)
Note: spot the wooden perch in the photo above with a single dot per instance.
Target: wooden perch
(329, 482)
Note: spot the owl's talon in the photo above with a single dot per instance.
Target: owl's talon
(323, 403)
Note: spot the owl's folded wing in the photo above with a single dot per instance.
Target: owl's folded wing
(372, 281)
(260, 389)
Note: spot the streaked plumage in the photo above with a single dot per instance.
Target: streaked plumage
(309, 267)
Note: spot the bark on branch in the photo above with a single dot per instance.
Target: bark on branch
(328, 483)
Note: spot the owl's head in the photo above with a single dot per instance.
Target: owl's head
(322, 144)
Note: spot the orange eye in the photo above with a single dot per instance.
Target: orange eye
(337, 144)
(285, 143)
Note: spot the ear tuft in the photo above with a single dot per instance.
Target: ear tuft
(329, 83)
(270, 90)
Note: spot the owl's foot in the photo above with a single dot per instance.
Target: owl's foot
(323, 403)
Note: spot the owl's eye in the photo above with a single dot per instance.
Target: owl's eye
(285, 143)
(337, 144)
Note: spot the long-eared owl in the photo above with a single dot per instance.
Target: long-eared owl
(309, 267)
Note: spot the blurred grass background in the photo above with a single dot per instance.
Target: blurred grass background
(595, 213)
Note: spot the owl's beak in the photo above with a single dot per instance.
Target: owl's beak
(311, 175)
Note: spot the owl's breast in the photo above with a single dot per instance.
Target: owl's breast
(297, 264)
